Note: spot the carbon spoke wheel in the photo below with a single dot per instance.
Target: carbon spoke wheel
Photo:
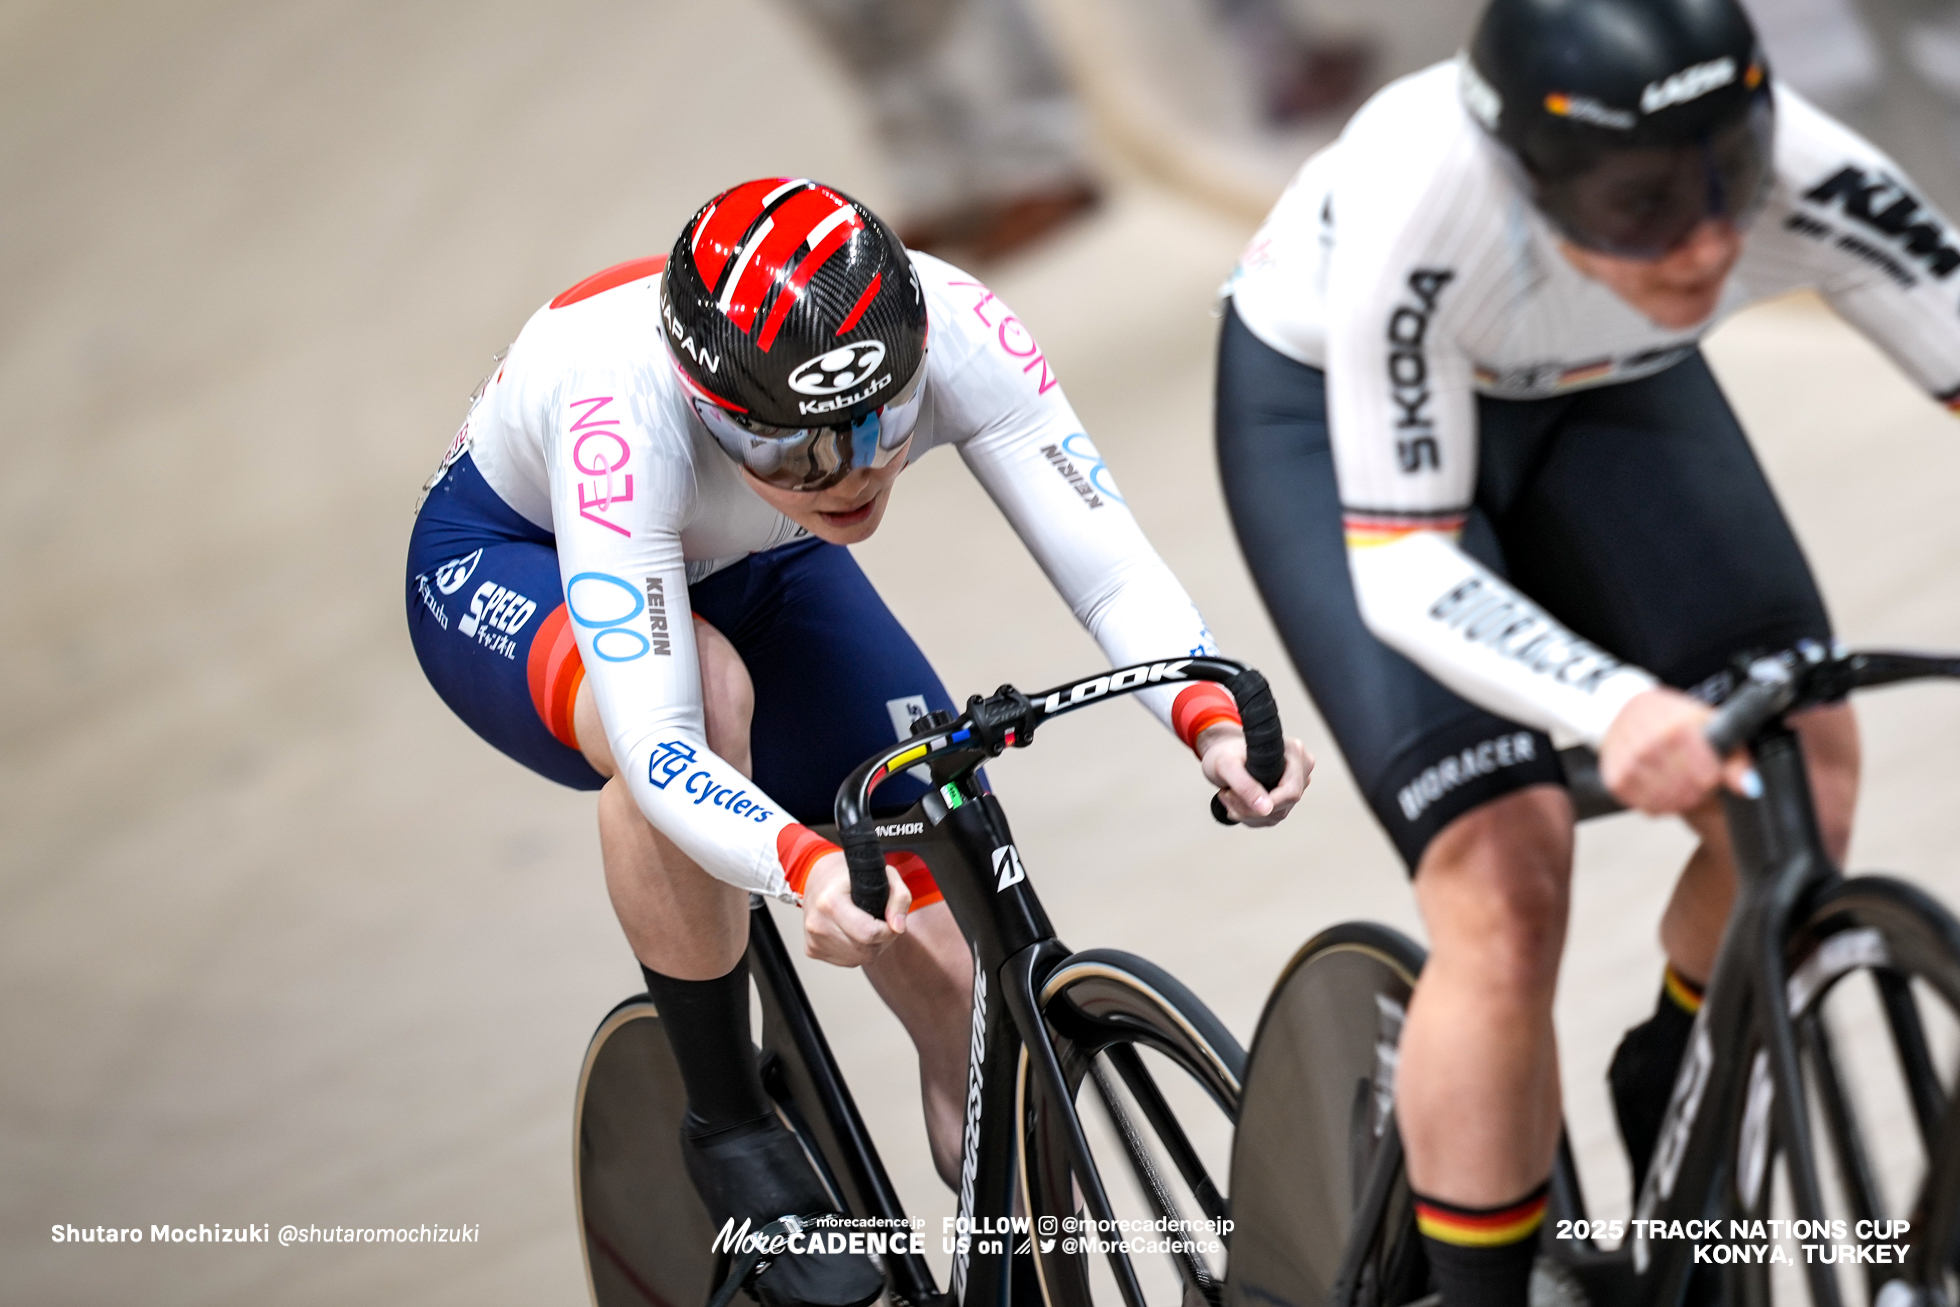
(1317, 1117)
(1155, 1078)
(1874, 990)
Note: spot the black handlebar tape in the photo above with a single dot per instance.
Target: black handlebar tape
(1747, 711)
(1265, 747)
(1265, 744)
(869, 885)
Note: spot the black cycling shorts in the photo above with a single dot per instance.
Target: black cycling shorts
(1634, 513)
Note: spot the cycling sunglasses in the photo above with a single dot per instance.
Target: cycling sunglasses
(1642, 202)
(814, 458)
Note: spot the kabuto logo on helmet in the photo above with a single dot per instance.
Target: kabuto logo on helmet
(839, 370)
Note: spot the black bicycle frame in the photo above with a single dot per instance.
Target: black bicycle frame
(961, 833)
(1781, 867)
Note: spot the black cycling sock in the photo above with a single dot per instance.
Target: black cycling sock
(707, 1025)
(1481, 1256)
(1644, 1066)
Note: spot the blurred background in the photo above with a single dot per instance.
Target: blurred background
(281, 941)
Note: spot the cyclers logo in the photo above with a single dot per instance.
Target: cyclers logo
(1007, 867)
(1888, 208)
(672, 760)
(839, 370)
(1408, 369)
(970, 1142)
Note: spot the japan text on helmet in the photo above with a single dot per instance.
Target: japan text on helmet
(798, 327)
(1630, 120)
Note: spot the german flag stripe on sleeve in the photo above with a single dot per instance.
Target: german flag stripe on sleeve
(1368, 527)
(1951, 399)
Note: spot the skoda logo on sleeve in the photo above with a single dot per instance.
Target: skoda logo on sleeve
(839, 370)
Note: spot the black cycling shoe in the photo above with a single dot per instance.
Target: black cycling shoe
(758, 1173)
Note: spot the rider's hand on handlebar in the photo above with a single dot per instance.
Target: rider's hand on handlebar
(1221, 751)
(1656, 756)
(836, 930)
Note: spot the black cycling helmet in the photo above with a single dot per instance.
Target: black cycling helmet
(1631, 120)
(799, 329)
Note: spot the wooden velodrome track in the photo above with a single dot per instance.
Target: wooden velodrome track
(281, 941)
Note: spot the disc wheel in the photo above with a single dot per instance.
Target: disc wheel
(1156, 1080)
(1874, 990)
(645, 1235)
(1318, 1110)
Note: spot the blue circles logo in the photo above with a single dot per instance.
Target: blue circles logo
(594, 600)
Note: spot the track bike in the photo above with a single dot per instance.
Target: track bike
(1833, 1007)
(1046, 1023)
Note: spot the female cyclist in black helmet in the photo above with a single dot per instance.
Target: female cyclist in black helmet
(1498, 505)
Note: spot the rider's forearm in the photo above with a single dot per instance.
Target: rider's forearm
(1458, 621)
(718, 817)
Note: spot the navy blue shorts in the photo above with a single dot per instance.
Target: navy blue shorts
(836, 677)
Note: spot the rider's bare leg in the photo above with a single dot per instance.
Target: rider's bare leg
(682, 922)
(1477, 1087)
(1691, 929)
(1477, 1084)
(926, 977)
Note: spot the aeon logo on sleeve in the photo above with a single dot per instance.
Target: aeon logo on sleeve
(836, 372)
(1014, 337)
(599, 452)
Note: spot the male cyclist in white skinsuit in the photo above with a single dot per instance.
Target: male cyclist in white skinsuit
(628, 576)
(1497, 503)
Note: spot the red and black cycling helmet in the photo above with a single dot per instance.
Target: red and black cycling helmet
(1631, 121)
(799, 329)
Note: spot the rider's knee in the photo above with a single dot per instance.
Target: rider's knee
(1494, 887)
(618, 813)
(727, 705)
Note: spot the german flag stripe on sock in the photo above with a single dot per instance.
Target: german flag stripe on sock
(1470, 1227)
(1684, 993)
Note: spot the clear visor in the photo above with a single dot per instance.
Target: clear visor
(814, 458)
(1641, 202)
